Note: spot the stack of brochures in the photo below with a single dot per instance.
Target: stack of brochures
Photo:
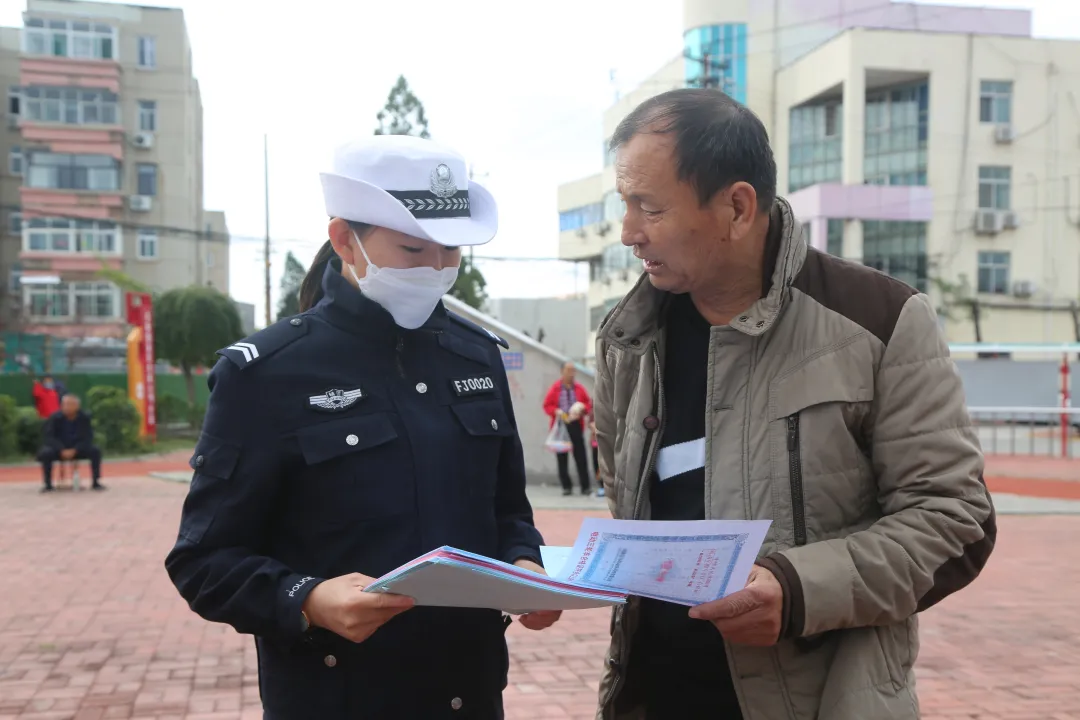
(684, 562)
(447, 577)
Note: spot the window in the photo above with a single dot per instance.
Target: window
(834, 240)
(896, 130)
(616, 257)
(63, 171)
(147, 115)
(716, 56)
(148, 243)
(816, 145)
(597, 313)
(74, 39)
(71, 106)
(614, 207)
(209, 258)
(609, 154)
(14, 101)
(995, 186)
(147, 52)
(995, 101)
(146, 179)
(64, 235)
(994, 272)
(15, 223)
(581, 217)
(807, 233)
(73, 301)
(897, 248)
(15, 160)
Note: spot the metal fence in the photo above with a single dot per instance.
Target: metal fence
(1028, 430)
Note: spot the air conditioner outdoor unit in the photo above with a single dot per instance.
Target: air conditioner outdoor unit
(988, 222)
(582, 233)
(140, 203)
(1023, 289)
(1004, 134)
(1010, 220)
(143, 140)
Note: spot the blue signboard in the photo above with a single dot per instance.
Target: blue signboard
(513, 360)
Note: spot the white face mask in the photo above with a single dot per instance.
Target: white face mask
(410, 294)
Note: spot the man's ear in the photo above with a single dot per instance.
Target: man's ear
(744, 206)
(341, 237)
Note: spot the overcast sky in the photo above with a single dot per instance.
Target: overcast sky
(517, 88)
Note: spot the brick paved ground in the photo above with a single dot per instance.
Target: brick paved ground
(90, 627)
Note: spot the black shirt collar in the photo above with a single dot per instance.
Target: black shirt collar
(347, 307)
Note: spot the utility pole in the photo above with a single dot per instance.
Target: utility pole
(266, 245)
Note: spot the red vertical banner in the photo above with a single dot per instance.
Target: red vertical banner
(140, 313)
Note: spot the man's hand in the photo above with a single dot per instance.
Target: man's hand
(341, 606)
(751, 616)
(67, 454)
(542, 618)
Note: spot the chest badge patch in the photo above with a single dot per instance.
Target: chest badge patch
(473, 386)
(335, 400)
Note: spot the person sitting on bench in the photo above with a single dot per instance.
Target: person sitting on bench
(69, 436)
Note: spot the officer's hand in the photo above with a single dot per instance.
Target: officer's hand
(540, 619)
(341, 606)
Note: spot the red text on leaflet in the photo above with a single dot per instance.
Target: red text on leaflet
(584, 561)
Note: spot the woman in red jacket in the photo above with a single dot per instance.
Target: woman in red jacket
(568, 401)
(46, 399)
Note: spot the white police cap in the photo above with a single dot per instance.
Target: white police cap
(412, 185)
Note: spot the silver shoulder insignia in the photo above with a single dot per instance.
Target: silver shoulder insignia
(334, 400)
(248, 350)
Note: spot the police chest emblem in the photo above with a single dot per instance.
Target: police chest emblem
(334, 400)
(442, 182)
(473, 386)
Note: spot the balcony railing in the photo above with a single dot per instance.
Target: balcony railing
(1041, 431)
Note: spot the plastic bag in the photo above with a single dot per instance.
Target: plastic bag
(558, 439)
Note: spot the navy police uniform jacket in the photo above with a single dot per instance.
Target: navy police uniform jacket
(337, 442)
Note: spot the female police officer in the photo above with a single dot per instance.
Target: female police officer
(341, 443)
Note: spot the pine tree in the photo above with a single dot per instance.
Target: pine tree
(470, 285)
(403, 113)
(289, 304)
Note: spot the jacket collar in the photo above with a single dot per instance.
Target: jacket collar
(345, 306)
(639, 316)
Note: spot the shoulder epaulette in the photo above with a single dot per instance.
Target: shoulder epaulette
(478, 329)
(265, 342)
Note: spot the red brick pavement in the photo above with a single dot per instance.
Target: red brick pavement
(90, 627)
(1020, 475)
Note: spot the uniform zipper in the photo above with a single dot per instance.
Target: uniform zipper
(652, 442)
(798, 511)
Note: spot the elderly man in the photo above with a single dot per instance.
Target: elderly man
(747, 376)
(69, 435)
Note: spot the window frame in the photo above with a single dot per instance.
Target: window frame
(147, 109)
(997, 187)
(103, 39)
(71, 292)
(150, 237)
(990, 92)
(997, 264)
(146, 52)
(51, 228)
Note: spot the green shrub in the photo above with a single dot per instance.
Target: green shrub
(29, 429)
(171, 409)
(9, 422)
(115, 419)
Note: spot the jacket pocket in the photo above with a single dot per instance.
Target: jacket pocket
(486, 426)
(819, 415)
(355, 470)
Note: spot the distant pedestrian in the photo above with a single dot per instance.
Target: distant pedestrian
(568, 401)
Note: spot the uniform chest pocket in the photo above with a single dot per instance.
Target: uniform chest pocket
(486, 426)
(355, 469)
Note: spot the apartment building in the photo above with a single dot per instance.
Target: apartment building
(102, 152)
(939, 144)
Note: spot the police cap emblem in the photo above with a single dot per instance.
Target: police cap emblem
(334, 400)
(442, 182)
